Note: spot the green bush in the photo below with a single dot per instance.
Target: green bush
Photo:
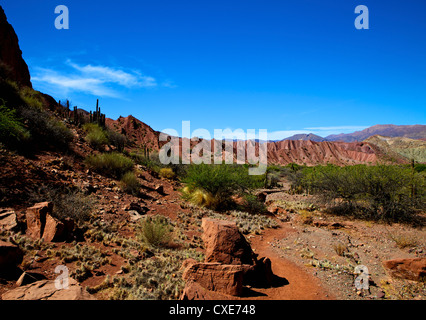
(116, 139)
(110, 164)
(44, 128)
(95, 136)
(98, 137)
(12, 131)
(221, 181)
(130, 184)
(252, 204)
(156, 231)
(167, 173)
(32, 98)
(30, 107)
(383, 192)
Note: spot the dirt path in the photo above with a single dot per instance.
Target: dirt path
(293, 282)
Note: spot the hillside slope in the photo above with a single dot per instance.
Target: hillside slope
(400, 147)
(12, 65)
(389, 130)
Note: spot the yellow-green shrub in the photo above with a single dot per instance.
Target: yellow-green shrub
(167, 173)
(111, 164)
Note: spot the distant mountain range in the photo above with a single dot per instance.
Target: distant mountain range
(306, 137)
(417, 131)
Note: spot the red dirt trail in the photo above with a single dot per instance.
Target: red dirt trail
(295, 283)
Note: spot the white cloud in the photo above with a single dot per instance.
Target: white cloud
(65, 84)
(107, 74)
(101, 81)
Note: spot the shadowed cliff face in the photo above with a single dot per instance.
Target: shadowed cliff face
(12, 65)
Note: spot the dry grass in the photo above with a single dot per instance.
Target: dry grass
(340, 248)
(404, 241)
(306, 217)
(129, 183)
(156, 231)
(199, 197)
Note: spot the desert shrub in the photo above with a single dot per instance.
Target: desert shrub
(420, 167)
(110, 164)
(199, 197)
(44, 128)
(12, 131)
(95, 136)
(156, 231)
(98, 137)
(29, 106)
(32, 98)
(221, 182)
(252, 204)
(340, 248)
(116, 139)
(67, 202)
(129, 183)
(404, 241)
(167, 173)
(306, 217)
(382, 192)
(152, 162)
(272, 180)
(275, 173)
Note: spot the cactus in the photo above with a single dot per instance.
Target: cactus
(75, 115)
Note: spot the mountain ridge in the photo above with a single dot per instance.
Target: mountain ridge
(416, 131)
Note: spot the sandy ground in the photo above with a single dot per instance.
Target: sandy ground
(317, 257)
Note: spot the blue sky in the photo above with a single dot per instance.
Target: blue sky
(284, 66)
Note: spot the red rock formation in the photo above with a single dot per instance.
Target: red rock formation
(47, 290)
(40, 223)
(224, 278)
(12, 65)
(411, 269)
(139, 133)
(229, 263)
(224, 243)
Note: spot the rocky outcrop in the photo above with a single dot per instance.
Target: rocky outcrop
(229, 264)
(314, 153)
(225, 243)
(29, 277)
(42, 225)
(12, 65)
(411, 269)
(8, 220)
(224, 278)
(36, 219)
(46, 290)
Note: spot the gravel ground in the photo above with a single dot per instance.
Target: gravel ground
(330, 247)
